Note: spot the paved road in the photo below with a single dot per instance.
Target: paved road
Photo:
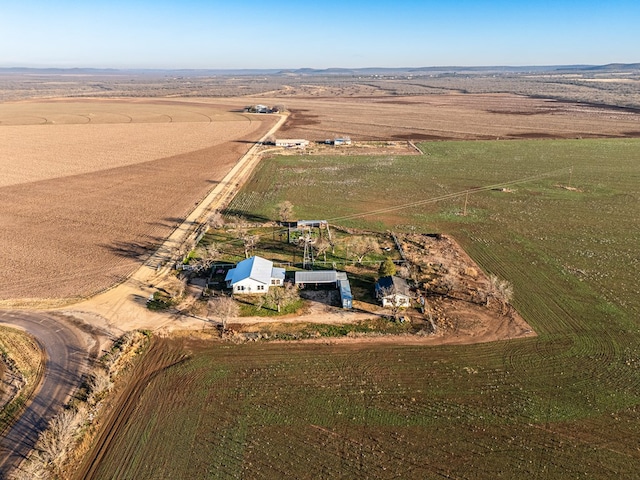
(67, 358)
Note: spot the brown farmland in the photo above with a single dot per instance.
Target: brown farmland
(451, 116)
(89, 187)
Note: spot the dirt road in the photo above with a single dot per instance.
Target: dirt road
(68, 351)
(123, 307)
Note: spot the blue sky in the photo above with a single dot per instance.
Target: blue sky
(288, 34)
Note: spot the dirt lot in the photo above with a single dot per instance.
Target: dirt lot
(93, 199)
(450, 116)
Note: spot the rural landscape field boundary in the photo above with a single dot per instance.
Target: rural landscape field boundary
(558, 400)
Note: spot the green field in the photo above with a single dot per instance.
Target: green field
(563, 405)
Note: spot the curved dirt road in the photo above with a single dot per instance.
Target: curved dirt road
(67, 358)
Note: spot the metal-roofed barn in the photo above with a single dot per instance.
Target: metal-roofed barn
(316, 277)
(319, 277)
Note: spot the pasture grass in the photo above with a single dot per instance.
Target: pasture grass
(565, 404)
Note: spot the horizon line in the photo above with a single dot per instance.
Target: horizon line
(314, 69)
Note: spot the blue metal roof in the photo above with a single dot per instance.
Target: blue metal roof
(255, 268)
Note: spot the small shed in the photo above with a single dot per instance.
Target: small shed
(292, 143)
(345, 290)
(342, 141)
(311, 224)
(392, 291)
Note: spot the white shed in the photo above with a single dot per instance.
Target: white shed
(292, 143)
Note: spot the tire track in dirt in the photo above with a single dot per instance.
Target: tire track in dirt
(162, 355)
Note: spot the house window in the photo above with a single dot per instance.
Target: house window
(260, 287)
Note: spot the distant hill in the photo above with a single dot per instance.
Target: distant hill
(612, 67)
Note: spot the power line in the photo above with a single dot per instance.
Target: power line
(448, 196)
(439, 198)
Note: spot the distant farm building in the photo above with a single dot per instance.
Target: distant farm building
(310, 224)
(393, 291)
(254, 275)
(301, 227)
(342, 141)
(325, 277)
(339, 141)
(292, 143)
(261, 109)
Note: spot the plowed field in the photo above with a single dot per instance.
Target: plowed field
(353, 411)
(451, 116)
(89, 187)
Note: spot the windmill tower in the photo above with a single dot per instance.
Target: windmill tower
(307, 259)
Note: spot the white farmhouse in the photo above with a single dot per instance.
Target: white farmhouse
(254, 275)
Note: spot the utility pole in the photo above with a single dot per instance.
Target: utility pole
(570, 175)
(466, 199)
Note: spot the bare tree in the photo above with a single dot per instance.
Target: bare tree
(174, 286)
(249, 242)
(360, 247)
(100, 383)
(55, 442)
(394, 301)
(285, 211)
(450, 282)
(215, 220)
(180, 253)
(200, 264)
(428, 311)
(282, 296)
(321, 246)
(405, 272)
(206, 256)
(224, 309)
(500, 290)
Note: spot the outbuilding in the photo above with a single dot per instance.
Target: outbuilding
(315, 277)
(342, 141)
(292, 143)
(322, 277)
(345, 290)
(393, 291)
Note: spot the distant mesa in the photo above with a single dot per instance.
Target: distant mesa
(458, 69)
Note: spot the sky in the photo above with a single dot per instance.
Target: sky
(280, 34)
